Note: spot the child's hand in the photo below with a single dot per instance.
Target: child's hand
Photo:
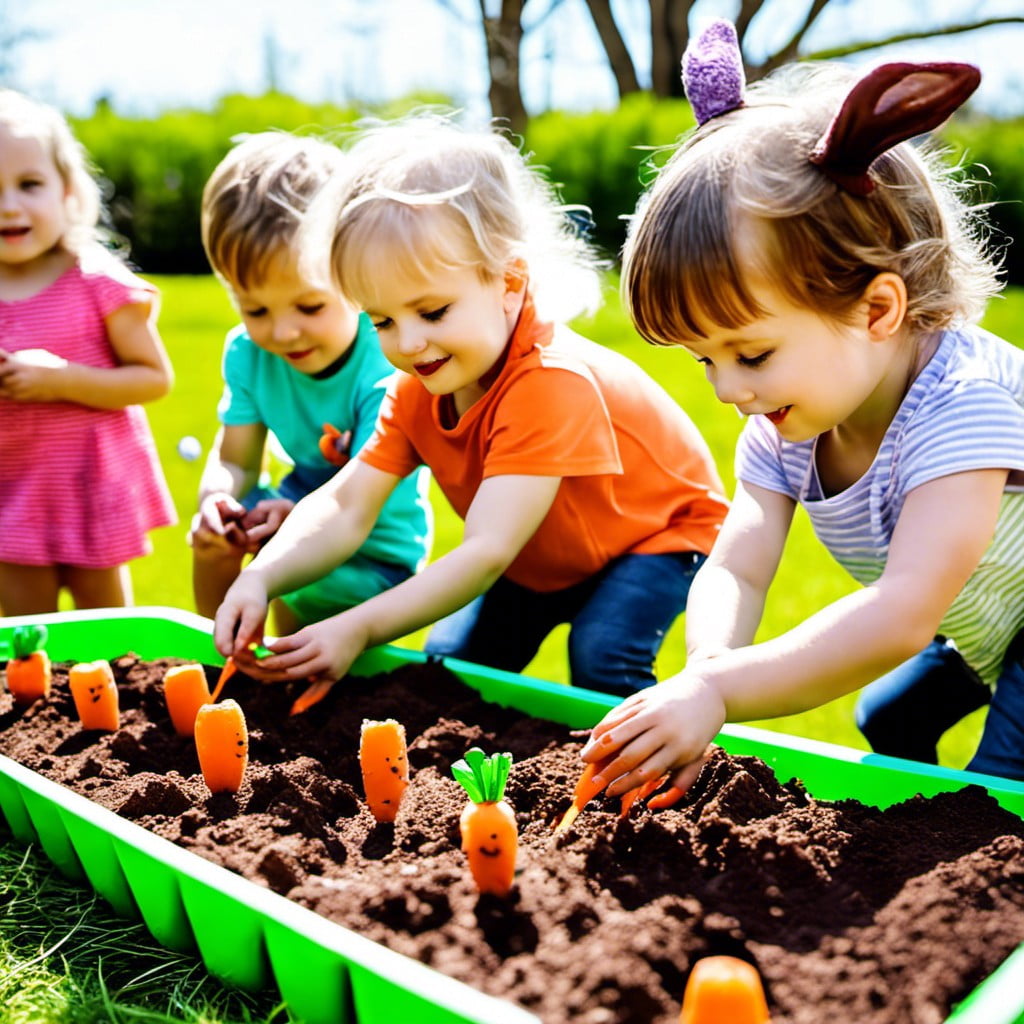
(323, 651)
(31, 375)
(241, 617)
(265, 519)
(666, 728)
(218, 526)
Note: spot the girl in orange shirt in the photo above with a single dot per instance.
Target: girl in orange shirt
(588, 495)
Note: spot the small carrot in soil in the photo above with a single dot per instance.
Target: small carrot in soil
(385, 764)
(311, 695)
(95, 693)
(222, 743)
(186, 691)
(490, 836)
(585, 792)
(28, 671)
(724, 988)
(229, 669)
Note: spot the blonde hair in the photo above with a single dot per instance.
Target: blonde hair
(425, 194)
(739, 198)
(255, 200)
(29, 118)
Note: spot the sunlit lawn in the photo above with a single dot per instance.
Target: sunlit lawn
(65, 958)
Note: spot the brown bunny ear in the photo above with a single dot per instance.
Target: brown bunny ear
(889, 105)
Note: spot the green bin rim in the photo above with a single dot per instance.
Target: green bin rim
(997, 1000)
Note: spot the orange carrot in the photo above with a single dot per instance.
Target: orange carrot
(29, 672)
(490, 836)
(311, 695)
(95, 693)
(385, 764)
(724, 988)
(631, 796)
(229, 669)
(334, 444)
(186, 691)
(585, 792)
(222, 743)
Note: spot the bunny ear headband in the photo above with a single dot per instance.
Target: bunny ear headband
(889, 105)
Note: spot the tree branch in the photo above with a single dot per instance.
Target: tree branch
(903, 37)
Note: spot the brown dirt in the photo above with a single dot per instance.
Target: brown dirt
(850, 913)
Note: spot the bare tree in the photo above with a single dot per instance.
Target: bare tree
(669, 28)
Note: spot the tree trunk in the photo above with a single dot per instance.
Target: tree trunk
(669, 35)
(503, 36)
(615, 48)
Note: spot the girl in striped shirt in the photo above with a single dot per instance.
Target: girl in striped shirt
(827, 274)
(80, 484)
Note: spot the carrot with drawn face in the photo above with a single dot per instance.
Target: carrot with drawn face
(222, 743)
(384, 761)
(490, 836)
(95, 695)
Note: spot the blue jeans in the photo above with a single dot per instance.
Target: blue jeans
(906, 711)
(619, 618)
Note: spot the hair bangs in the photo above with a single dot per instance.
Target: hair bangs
(379, 236)
(682, 275)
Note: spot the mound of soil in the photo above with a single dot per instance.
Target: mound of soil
(849, 913)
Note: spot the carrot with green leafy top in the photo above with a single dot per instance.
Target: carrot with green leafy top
(95, 694)
(29, 671)
(384, 761)
(186, 691)
(222, 743)
(490, 836)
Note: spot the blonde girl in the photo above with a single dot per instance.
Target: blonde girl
(828, 275)
(588, 496)
(80, 483)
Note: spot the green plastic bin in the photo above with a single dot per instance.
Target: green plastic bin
(326, 973)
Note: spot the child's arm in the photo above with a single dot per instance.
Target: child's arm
(323, 530)
(143, 373)
(943, 530)
(218, 537)
(506, 511)
(727, 597)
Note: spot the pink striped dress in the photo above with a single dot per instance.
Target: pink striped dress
(78, 486)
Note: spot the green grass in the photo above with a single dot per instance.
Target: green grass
(64, 957)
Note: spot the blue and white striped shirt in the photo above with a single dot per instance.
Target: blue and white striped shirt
(964, 411)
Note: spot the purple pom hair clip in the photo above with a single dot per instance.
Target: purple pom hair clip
(713, 74)
(889, 105)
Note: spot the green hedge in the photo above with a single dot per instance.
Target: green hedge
(155, 168)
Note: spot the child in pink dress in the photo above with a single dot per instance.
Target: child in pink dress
(80, 482)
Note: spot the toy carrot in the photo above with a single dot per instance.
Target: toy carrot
(490, 836)
(229, 669)
(724, 988)
(28, 671)
(186, 691)
(584, 793)
(385, 765)
(311, 695)
(95, 693)
(222, 742)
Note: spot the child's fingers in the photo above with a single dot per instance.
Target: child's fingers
(637, 762)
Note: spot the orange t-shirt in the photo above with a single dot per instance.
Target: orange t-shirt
(637, 477)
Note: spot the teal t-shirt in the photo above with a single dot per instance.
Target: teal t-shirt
(262, 388)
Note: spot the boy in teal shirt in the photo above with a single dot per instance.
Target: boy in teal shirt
(304, 365)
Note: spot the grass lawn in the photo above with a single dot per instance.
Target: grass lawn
(65, 958)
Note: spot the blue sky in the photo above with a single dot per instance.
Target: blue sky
(148, 55)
